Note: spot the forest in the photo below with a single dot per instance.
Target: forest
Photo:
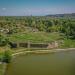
(32, 27)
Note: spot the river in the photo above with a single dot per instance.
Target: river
(60, 63)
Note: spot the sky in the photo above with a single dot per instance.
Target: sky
(35, 7)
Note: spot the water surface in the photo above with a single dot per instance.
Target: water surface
(62, 63)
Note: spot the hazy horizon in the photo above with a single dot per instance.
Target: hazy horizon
(36, 7)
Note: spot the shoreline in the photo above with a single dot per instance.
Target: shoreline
(36, 52)
(43, 51)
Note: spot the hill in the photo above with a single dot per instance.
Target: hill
(72, 15)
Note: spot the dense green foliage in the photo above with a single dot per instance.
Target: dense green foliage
(3, 40)
(30, 28)
(11, 25)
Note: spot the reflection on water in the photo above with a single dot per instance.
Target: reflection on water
(62, 63)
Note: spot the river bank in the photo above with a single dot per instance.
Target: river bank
(42, 51)
(3, 69)
(58, 63)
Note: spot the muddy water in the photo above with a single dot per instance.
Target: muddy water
(62, 63)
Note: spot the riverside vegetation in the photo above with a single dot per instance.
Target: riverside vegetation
(44, 28)
(38, 29)
(35, 29)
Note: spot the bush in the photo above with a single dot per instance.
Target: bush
(3, 40)
(6, 57)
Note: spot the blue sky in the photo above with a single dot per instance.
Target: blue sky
(36, 7)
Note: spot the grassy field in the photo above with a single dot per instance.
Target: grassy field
(68, 43)
(42, 37)
(35, 37)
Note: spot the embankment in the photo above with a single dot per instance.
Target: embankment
(42, 51)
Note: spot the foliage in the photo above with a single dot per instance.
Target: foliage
(3, 40)
(6, 57)
(26, 28)
(35, 37)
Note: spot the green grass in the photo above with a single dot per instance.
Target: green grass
(42, 37)
(68, 43)
(39, 37)
(35, 37)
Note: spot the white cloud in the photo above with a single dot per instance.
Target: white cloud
(3, 9)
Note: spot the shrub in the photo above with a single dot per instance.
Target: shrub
(6, 57)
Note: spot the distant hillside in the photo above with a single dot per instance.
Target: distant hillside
(63, 15)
